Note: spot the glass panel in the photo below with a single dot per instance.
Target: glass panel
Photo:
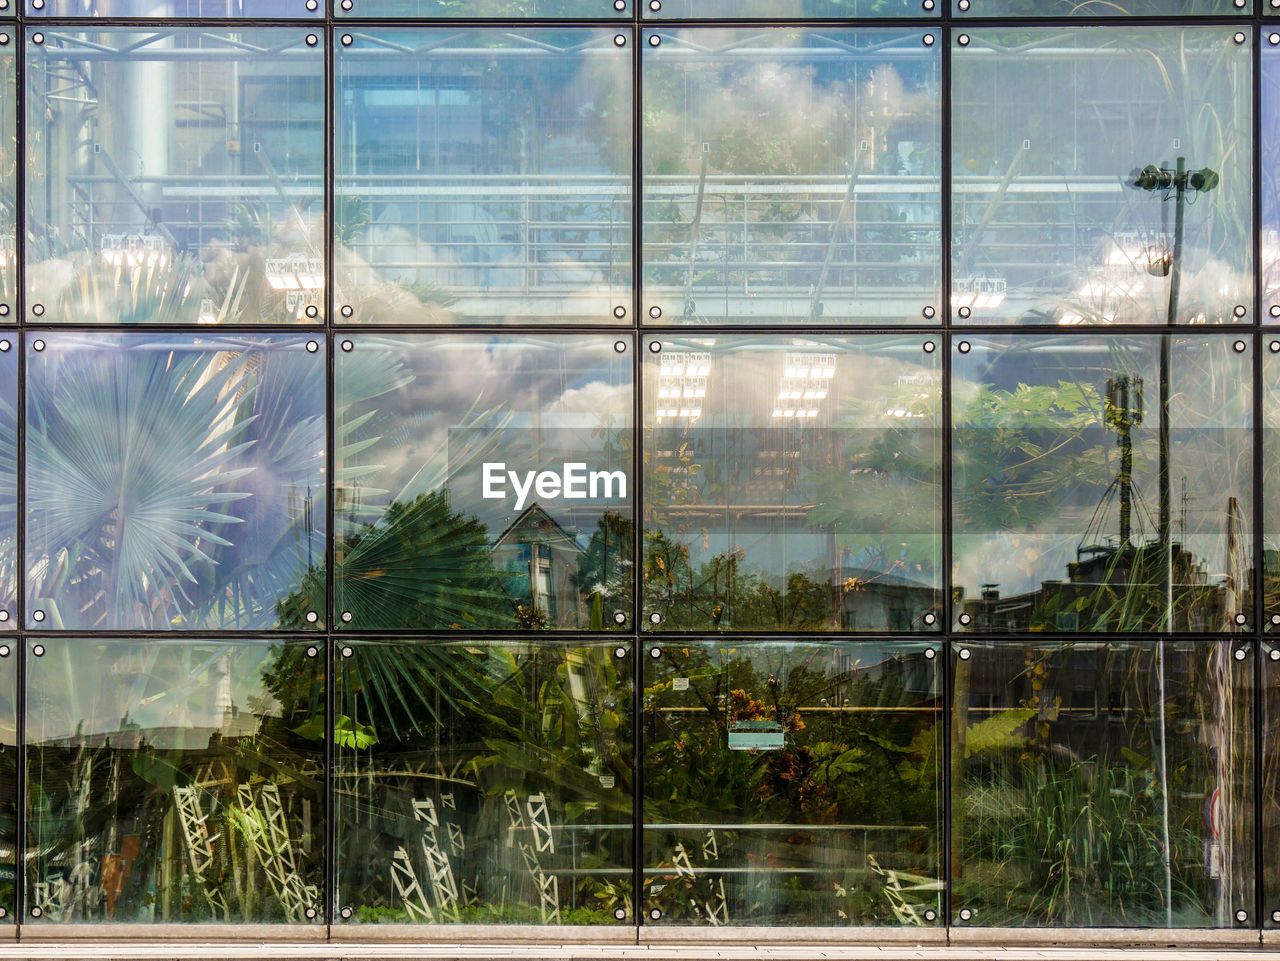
(175, 176)
(1077, 766)
(8, 8)
(8, 174)
(792, 485)
(174, 781)
(8, 777)
(1271, 483)
(474, 9)
(1052, 129)
(1270, 185)
(1270, 706)
(484, 482)
(1100, 8)
(8, 485)
(164, 9)
(767, 778)
(791, 176)
(1073, 513)
(484, 176)
(788, 9)
(175, 481)
(484, 782)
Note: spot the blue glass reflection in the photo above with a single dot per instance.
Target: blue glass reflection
(484, 176)
(175, 481)
(791, 176)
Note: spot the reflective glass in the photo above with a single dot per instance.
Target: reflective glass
(175, 481)
(1074, 511)
(1269, 145)
(175, 175)
(8, 174)
(1270, 840)
(1077, 766)
(8, 776)
(793, 783)
(1053, 127)
(483, 176)
(788, 9)
(1100, 8)
(177, 781)
(792, 484)
(444, 9)
(163, 9)
(791, 176)
(483, 482)
(1271, 484)
(8, 483)
(483, 782)
(8, 8)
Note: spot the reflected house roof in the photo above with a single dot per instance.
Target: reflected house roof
(535, 526)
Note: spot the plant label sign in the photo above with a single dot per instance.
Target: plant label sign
(756, 736)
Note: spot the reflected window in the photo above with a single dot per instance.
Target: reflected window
(174, 482)
(1102, 483)
(791, 176)
(792, 484)
(766, 773)
(485, 782)
(484, 177)
(1073, 205)
(483, 482)
(174, 782)
(177, 176)
(1139, 815)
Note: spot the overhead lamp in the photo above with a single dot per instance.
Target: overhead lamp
(133, 250)
(806, 365)
(685, 363)
(978, 292)
(295, 272)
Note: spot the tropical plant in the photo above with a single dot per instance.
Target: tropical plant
(172, 485)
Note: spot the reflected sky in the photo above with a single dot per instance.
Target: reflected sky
(1038, 463)
(791, 175)
(484, 176)
(1047, 227)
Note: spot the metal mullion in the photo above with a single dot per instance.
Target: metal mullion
(20, 568)
(1259, 474)
(637, 474)
(946, 655)
(329, 887)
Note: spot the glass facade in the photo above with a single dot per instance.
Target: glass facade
(644, 467)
